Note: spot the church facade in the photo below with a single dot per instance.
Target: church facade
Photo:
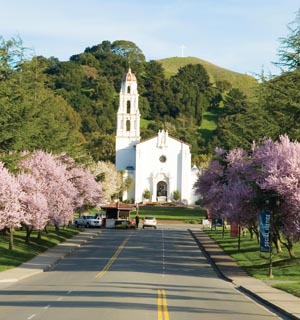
(160, 165)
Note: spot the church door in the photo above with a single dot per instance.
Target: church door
(162, 191)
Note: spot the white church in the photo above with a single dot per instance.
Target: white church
(161, 165)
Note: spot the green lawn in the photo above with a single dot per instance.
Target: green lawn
(23, 252)
(209, 125)
(209, 121)
(292, 288)
(144, 123)
(257, 264)
(183, 214)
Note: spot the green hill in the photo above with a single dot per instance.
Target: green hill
(244, 82)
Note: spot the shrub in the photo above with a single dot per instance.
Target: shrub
(147, 194)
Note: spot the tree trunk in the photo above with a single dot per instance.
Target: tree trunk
(39, 235)
(277, 241)
(290, 247)
(251, 233)
(256, 231)
(4, 231)
(11, 238)
(29, 230)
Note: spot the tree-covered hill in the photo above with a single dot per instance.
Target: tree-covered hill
(244, 82)
(71, 105)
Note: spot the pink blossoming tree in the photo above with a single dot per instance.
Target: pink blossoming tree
(89, 192)
(52, 177)
(11, 213)
(34, 204)
(237, 185)
(279, 177)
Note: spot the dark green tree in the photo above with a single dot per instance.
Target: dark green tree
(192, 90)
(156, 90)
(12, 55)
(32, 116)
(289, 50)
(280, 97)
(128, 50)
(235, 102)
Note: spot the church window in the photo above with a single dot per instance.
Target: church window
(128, 125)
(128, 106)
(162, 158)
(128, 89)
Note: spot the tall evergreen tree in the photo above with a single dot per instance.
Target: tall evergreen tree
(289, 50)
(32, 116)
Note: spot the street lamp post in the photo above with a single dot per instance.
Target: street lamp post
(271, 230)
(270, 239)
(271, 246)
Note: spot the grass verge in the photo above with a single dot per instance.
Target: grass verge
(23, 252)
(292, 288)
(180, 214)
(256, 263)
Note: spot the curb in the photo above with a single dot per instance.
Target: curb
(267, 303)
(69, 251)
(54, 255)
(210, 260)
(240, 287)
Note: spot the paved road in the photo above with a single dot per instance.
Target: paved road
(130, 274)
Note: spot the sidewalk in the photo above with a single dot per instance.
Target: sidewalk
(227, 268)
(45, 261)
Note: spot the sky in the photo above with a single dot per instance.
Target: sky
(239, 35)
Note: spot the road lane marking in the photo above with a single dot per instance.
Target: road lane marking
(112, 259)
(47, 306)
(162, 306)
(31, 317)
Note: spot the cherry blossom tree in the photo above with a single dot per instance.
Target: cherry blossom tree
(89, 191)
(52, 177)
(236, 185)
(240, 192)
(225, 189)
(110, 178)
(34, 204)
(210, 187)
(279, 177)
(11, 213)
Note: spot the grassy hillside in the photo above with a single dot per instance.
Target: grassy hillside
(244, 82)
(209, 125)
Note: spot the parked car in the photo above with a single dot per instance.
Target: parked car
(88, 221)
(149, 222)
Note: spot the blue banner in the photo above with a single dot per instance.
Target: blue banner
(264, 230)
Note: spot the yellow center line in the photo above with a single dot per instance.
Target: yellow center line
(162, 306)
(112, 259)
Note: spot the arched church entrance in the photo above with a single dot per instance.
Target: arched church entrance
(162, 189)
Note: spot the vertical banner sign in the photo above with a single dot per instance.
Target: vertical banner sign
(234, 229)
(264, 230)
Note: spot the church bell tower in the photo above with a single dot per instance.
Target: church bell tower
(128, 123)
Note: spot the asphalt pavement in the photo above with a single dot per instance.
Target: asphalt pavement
(46, 260)
(227, 268)
(224, 265)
